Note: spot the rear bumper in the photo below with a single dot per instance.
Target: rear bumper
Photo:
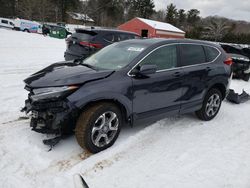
(57, 117)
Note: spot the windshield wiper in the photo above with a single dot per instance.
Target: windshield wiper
(80, 62)
(89, 66)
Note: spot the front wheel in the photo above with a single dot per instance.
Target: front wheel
(211, 105)
(98, 127)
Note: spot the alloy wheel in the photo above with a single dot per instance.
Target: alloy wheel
(213, 105)
(105, 129)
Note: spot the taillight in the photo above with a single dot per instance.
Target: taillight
(228, 61)
(95, 45)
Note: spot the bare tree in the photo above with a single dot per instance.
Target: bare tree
(217, 28)
(45, 10)
(26, 8)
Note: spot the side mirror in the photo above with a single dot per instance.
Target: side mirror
(79, 182)
(147, 69)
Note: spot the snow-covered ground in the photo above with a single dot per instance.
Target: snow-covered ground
(177, 152)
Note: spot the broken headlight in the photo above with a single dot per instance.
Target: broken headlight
(51, 92)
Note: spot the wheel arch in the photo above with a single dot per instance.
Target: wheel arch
(221, 87)
(124, 110)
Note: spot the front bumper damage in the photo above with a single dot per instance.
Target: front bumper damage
(51, 117)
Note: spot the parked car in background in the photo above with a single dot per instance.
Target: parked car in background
(6, 23)
(85, 42)
(27, 26)
(125, 82)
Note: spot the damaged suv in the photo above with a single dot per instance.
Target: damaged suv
(126, 82)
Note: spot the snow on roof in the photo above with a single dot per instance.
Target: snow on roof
(161, 25)
(79, 16)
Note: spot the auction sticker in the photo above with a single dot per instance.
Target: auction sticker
(135, 49)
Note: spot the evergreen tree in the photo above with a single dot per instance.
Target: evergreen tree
(182, 18)
(171, 15)
(141, 8)
(193, 17)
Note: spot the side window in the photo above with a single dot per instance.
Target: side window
(122, 37)
(211, 53)
(4, 21)
(164, 58)
(192, 54)
(109, 38)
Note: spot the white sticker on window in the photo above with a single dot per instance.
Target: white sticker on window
(135, 49)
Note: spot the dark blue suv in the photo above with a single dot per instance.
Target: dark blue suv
(126, 82)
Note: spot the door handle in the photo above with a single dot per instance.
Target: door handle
(177, 74)
(208, 68)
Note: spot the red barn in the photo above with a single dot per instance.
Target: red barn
(151, 28)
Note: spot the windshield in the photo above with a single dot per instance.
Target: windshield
(115, 56)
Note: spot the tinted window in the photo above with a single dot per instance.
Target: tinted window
(211, 53)
(84, 35)
(125, 36)
(192, 54)
(109, 38)
(4, 21)
(164, 58)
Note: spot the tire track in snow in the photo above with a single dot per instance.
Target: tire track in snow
(140, 140)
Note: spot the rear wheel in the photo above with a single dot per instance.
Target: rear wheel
(211, 105)
(98, 127)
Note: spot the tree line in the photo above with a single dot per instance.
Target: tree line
(213, 28)
(111, 13)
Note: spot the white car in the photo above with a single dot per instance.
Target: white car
(6, 23)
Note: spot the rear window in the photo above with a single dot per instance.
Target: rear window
(211, 53)
(192, 54)
(84, 35)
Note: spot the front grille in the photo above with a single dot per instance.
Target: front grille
(48, 105)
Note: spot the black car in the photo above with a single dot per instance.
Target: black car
(126, 82)
(85, 42)
(240, 67)
(241, 61)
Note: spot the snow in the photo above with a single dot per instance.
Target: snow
(177, 152)
(161, 25)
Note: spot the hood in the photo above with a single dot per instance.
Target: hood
(64, 74)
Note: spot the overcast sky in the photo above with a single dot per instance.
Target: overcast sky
(234, 9)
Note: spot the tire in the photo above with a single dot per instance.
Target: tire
(95, 130)
(26, 30)
(209, 111)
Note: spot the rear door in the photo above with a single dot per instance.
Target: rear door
(197, 72)
(159, 93)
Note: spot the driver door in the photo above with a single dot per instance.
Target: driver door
(159, 92)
